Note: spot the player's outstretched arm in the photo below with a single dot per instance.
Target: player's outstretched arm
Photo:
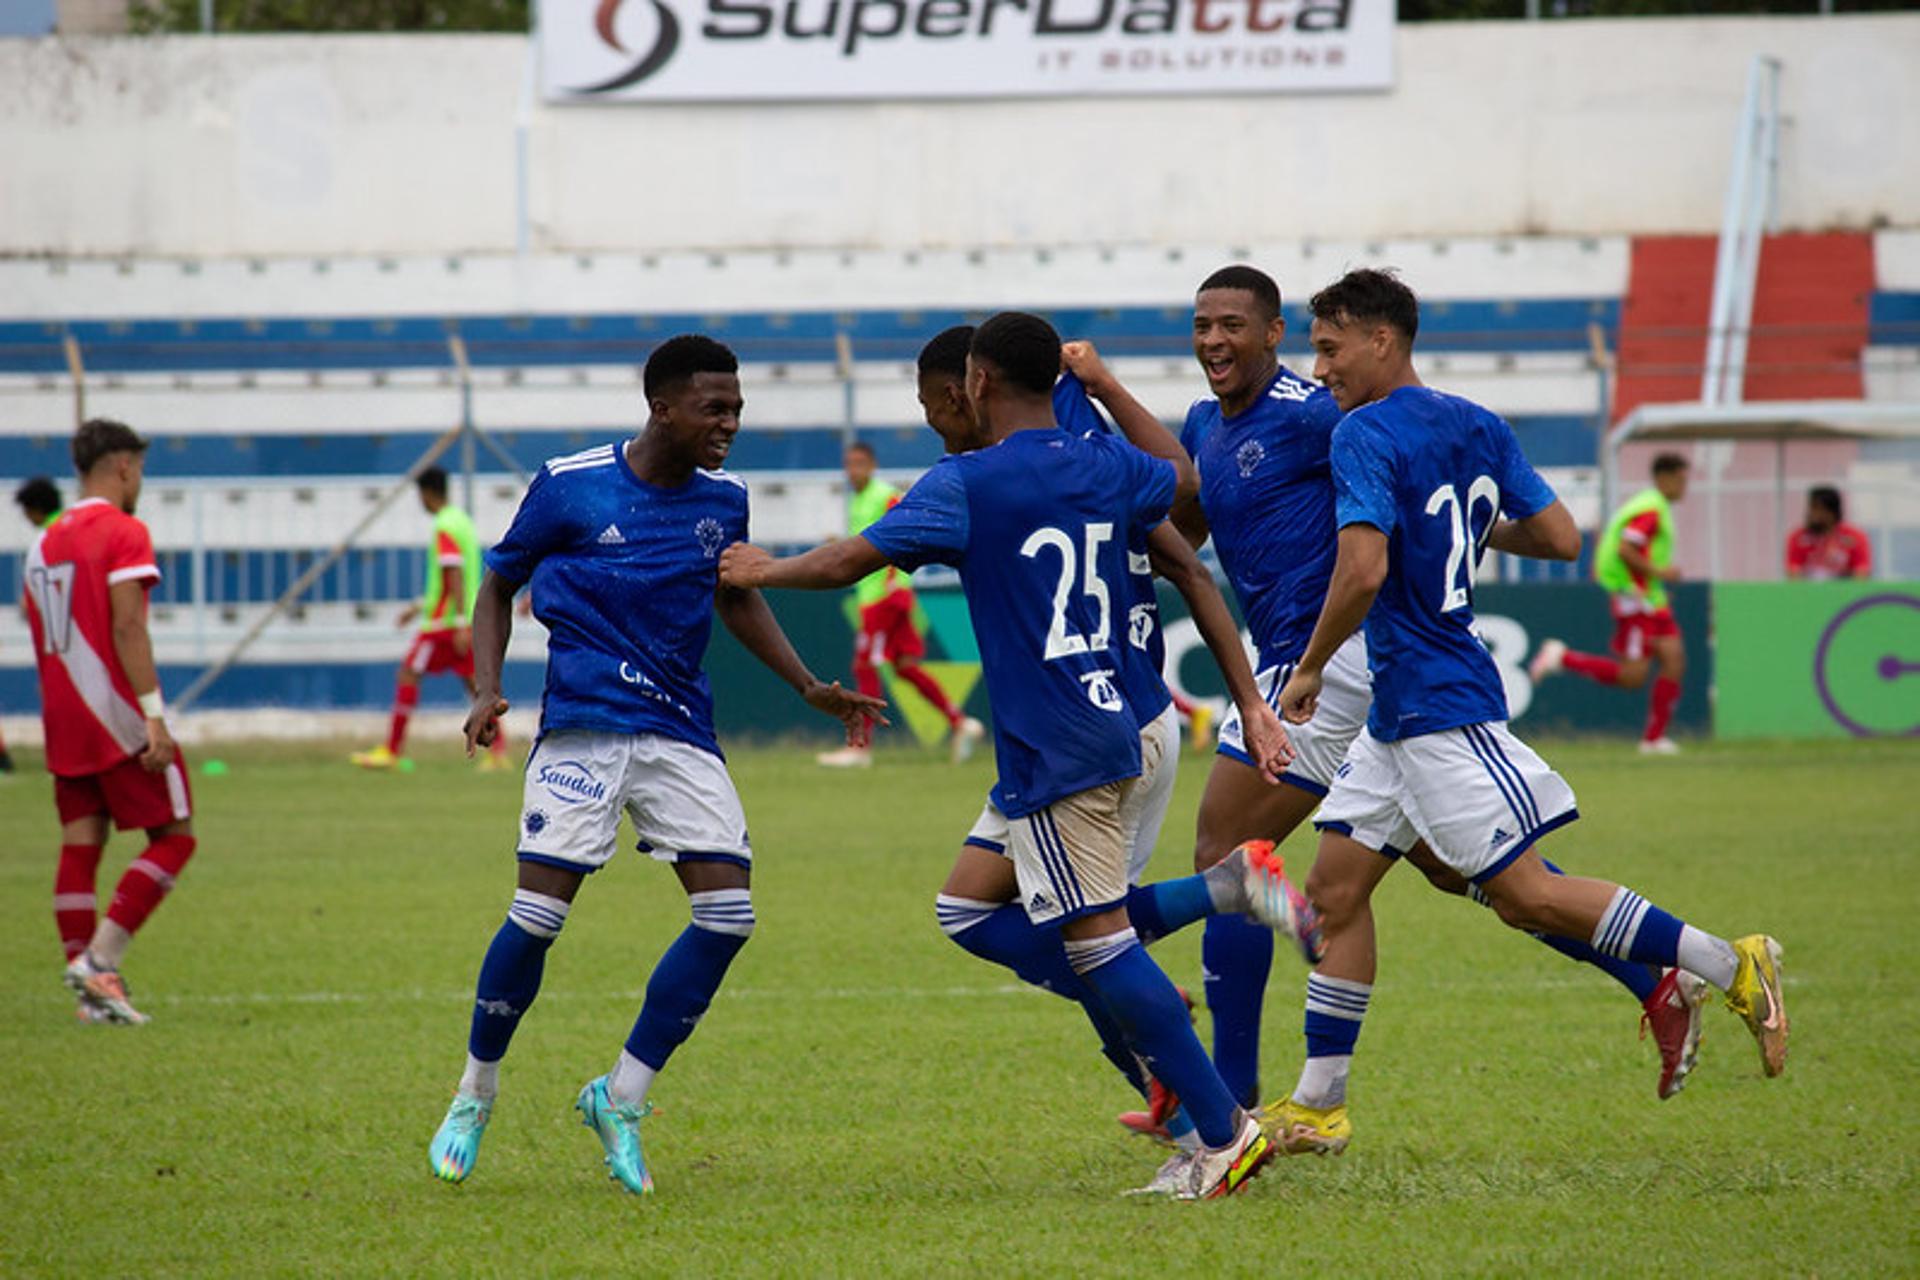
(1358, 570)
(1174, 560)
(1546, 535)
(492, 624)
(744, 612)
(133, 645)
(838, 564)
(1144, 432)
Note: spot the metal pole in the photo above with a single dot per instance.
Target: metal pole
(1725, 270)
(199, 574)
(1780, 495)
(522, 151)
(206, 17)
(77, 370)
(843, 358)
(314, 570)
(468, 462)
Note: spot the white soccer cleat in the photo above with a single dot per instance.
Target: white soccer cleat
(103, 990)
(1662, 746)
(845, 758)
(966, 736)
(1214, 1173)
(1171, 1177)
(1551, 657)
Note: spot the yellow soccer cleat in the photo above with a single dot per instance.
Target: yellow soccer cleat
(1200, 729)
(493, 762)
(378, 758)
(1301, 1130)
(1755, 995)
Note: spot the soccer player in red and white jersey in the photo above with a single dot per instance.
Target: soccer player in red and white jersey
(108, 748)
(1826, 546)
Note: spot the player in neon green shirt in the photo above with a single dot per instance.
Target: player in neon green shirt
(1634, 561)
(445, 614)
(887, 632)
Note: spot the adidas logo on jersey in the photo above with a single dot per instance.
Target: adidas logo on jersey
(1501, 836)
(611, 536)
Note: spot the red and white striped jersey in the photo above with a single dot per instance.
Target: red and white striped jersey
(92, 719)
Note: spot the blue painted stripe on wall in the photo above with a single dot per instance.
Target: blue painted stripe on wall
(1893, 320)
(1549, 439)
(161, 345)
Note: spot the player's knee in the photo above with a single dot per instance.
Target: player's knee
(1337, 899)
(725, 911)
(1633, 674)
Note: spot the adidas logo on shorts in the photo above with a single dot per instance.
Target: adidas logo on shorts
(611, 536)
(1501, 836)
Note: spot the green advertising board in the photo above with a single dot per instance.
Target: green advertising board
(1817, 659)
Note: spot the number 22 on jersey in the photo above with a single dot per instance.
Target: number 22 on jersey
(1458, 584)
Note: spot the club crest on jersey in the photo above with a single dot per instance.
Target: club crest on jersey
(570, 782)
(535, 821)
(710, 535)
(1249, 457)
(1100, 690)
(1140, 625)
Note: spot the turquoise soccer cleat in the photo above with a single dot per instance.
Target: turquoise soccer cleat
(456, 1147)
(619, 1130)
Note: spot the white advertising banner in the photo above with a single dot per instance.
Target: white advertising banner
(734, 50)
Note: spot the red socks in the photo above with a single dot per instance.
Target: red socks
(147, 881)
(1592, 666)
(1666, 692)
(73, 896)
(929, 689)
(405, 698)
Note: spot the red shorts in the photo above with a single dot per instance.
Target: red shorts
(1635, 631)
(887, 633)
(432, 653)
(135, 799)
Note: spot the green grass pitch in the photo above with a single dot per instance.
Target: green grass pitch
(865, 1098)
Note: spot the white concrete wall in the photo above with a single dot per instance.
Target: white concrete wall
(274, 146)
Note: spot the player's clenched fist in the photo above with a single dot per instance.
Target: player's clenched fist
(744, 565)
(1301, 696)
(483, 720)
(1083, 362)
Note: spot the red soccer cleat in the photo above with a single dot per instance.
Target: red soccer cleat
(1672, 1012)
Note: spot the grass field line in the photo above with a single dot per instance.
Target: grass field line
(420, 995)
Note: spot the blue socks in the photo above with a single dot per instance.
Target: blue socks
(1236, 956)
(1634, 929)
(1156, 910)
(510, 975)
(684, 982)
(1640, 979)
(1149, 1011)
(1335, 1009)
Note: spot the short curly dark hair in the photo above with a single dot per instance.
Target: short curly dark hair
(1368, 296)
(99, 438)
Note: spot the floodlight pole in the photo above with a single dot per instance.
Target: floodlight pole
(77, 370)
(843, 360)
(468, 462)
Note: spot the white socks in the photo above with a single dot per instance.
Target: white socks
(628, 1082)
(1323, 1081)
(1710, 957)
(109, 945)
(481, 1079)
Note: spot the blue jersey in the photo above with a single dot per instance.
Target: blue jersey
(1038, 526)
(1268, 497)
(1143, 659)
(1432, 472)
(623, 578)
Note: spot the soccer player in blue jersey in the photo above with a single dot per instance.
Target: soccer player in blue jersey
(1260, 443)
(1038, 522)
(1426, 482)
(979, 906)
(621, 544)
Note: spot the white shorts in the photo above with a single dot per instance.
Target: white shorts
(1319, 745)
(1142, 812)
(680, 799)
(1477, 795)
